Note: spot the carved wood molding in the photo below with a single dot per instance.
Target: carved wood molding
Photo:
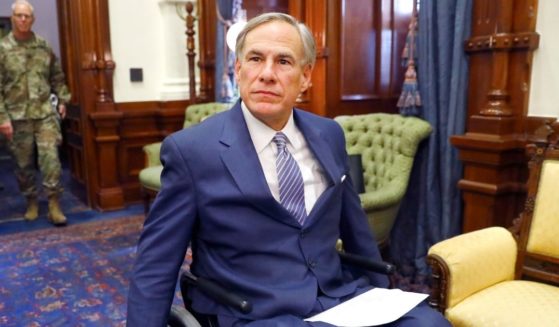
(440, 281)
(490, 188)
(101, 117)
(92, 63)
(494, 175)
(503, 41)
(498, 97)
(532, 263)
(503, 38)
(190, 47)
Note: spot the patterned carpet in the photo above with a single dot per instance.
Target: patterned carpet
(74, 276)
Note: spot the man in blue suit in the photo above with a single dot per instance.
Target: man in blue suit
(222, 192)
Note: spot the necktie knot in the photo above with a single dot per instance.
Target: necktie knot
(281, 141)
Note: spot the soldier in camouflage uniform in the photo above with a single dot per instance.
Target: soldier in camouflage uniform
(29, 73)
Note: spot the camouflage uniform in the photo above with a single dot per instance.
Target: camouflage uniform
(29, 73)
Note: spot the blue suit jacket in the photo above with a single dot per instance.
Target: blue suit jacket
(214, 194)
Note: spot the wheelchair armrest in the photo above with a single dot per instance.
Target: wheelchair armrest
(217, 292)
(367, 263)
(180, 317)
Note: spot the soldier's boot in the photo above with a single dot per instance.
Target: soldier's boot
(32, 211)
(56, 217)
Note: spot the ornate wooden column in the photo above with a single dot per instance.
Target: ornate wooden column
(190, 53)
(492, 149)
(88, 56)
(105, 118)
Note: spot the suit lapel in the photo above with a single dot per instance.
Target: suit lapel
(244, 166)
(323, 153)
(321, 149)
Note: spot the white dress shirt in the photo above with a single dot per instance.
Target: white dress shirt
(261, 135)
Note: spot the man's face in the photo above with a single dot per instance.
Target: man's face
(22, 19)
(269, 74)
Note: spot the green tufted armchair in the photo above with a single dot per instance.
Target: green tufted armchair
(150, 175)
(387, 144)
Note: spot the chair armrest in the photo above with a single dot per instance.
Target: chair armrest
(385, 197)
(470, 262)
(180, 317)
(217, 292)
(152, 154)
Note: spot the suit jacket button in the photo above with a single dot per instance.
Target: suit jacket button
(312, 264)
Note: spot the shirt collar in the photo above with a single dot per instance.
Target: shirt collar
(262, 135)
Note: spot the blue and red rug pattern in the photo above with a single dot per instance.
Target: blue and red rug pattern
(73, 276)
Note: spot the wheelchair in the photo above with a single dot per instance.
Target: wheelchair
(182, 317)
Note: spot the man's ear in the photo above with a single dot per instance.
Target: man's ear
(237, 70)
(306, 81)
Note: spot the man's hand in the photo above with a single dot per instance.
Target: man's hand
(7, 129)
(62, 110)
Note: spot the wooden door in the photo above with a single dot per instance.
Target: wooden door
(365, 41)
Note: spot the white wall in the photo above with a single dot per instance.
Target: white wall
(46, 20)
(544, 87)
(149, 34)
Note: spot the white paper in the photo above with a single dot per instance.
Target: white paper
(375, 307)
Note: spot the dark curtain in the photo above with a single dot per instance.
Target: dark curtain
(432, 208)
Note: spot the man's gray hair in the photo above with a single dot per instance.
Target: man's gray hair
(23, 2)
(309, 46)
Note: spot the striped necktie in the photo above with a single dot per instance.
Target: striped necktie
(291, 187)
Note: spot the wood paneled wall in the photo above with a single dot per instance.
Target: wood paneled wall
(366, 39)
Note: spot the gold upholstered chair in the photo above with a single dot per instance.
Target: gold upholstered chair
(500, 277)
